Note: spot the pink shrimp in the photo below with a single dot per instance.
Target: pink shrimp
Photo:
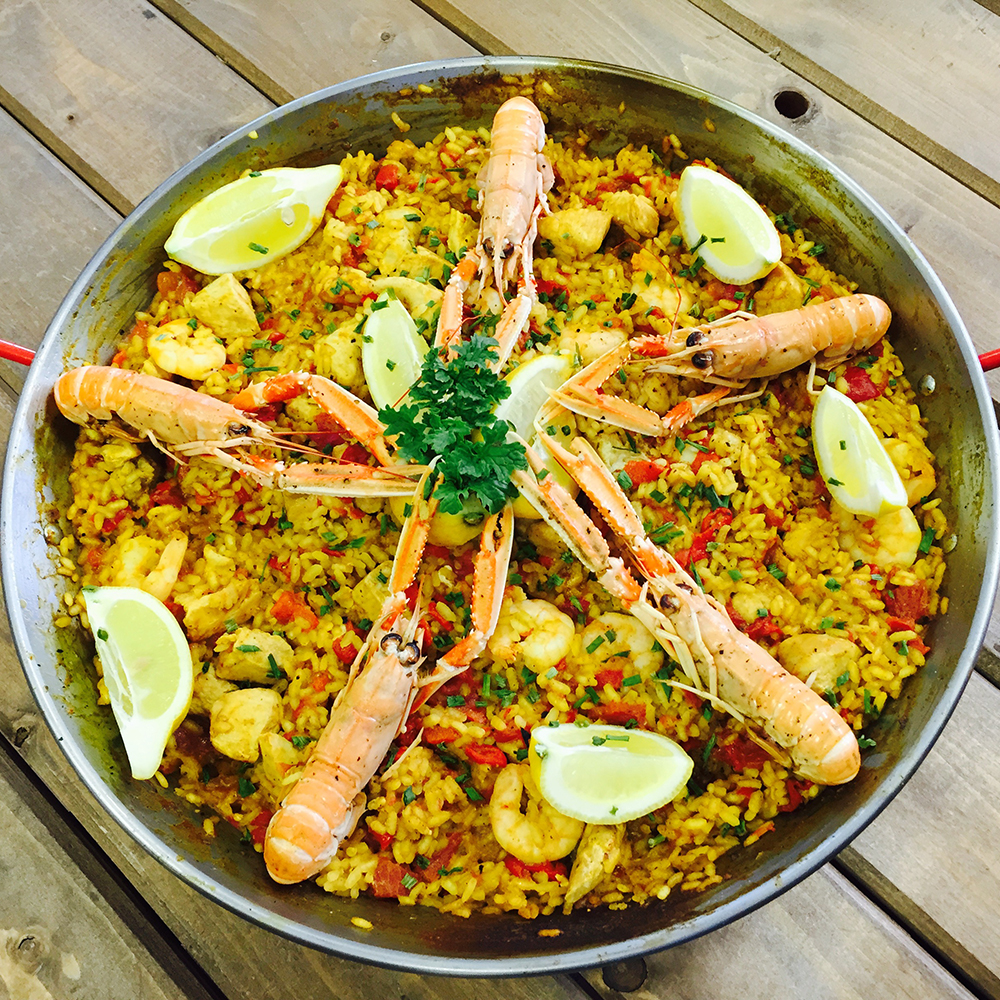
(514, 183)
(730, 352)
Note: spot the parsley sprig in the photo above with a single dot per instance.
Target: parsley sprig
(450, 402)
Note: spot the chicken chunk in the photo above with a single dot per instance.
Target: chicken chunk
(635, 213)
(782, 290)
(575, 232)
(240, 718)
(250, 654)
(821, 658)
(225, 306)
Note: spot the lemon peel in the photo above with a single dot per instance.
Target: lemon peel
(723, 225)
(254, 220)
(147, 668)
(852, 460)
(392, 351)
(606, 774)
(530, 384)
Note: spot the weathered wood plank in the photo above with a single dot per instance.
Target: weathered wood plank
(45, 239)
(950, 224)
(822, 940)
(939, 75)
(131, 94)
(293, 47)
(936, 841)
(59, 935)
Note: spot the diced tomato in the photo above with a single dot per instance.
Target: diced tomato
(520, 869)
(919, 645)
(319, 680)
(859, 386)
(328, 431)
(719, 290)
(438, 552)
(175, 284)
(642, 470)
(433, 735)
(344, 648)
(383, 840)
(741, 753)
(481, 753)
(439, 618)
(258, 825)
(177, 610)
(746, 791)
(764, 628)
(167, 494)
(549, 288)
(620, 712)
(774, 518)
(269, 324)
(611, 675)
(794, 798)
(701, 457)
(413, 726)
(355, 453)
(110, 523)
(388, 880)
(737, 619)
(895, 624)
(692, 699)
(910, 602)
(387, 176)
(280, 567)
(441, 858)
(291, 604)
(508, 735)
(717, 519)
(473, 712)
(546, 561)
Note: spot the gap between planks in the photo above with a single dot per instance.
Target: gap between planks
(106, 878)
(65, 153)
(918, 924)
(885, 121)
(218, 46)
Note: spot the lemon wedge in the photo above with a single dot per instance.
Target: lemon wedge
(851, 458)
(254, 220)
(723, 225)
(147, 668)
(391, 351)
(530, 384)
(606, 774)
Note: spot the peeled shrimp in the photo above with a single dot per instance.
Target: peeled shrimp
(538, 834)
(191, 352)
(534, 631)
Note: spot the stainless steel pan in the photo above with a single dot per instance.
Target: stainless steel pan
(863, 243)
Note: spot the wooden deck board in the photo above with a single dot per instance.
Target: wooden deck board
(59, 935)
(940, 75)
(45, 240)
(297, 46)
(822, 940)
(131, 93)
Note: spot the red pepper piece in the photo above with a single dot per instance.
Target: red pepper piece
(387, 176)
(389, 877)
(910, 602)
(291, 605)
(642, 470)
(481, 753)
(610, 676)
(859, 386)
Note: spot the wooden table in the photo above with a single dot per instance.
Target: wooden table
(102, 99)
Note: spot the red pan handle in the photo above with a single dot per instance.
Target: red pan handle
(15, 352)
(990, 360)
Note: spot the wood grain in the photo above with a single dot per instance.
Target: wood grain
(936, 841)
(822, 940)
(59, 936)
(133, 95)
(948, 222)
(293, 47)
(45, 240)
(940, 76)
